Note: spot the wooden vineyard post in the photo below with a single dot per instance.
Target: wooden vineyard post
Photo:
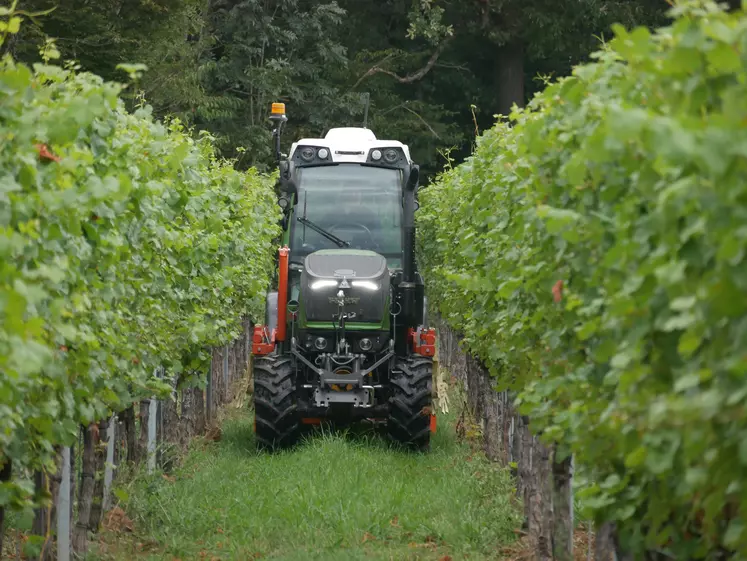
(85, 497)
(5, 473)
(64, 509)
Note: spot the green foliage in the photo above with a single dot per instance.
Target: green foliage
(125, 244)
(267, 52)
(218, 65)
(167, 36)
(600, 271)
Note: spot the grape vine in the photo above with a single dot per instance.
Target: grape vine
(592, 253)
(125, 245)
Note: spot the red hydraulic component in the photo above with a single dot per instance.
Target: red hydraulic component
(423, 341)
(282, 293)
(433, 423)
(263, 342)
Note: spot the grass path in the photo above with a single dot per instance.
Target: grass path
(336, 497)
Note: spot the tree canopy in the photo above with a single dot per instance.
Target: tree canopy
(434, 71)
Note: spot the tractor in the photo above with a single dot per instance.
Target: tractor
(345, 336)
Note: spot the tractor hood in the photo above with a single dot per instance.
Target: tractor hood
(362, 275)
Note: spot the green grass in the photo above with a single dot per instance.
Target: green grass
(338, 496)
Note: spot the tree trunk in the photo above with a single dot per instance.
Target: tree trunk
(128, 418)
(142, 444)
(604, 546)
(540, 500)
(525, 461)
(218, 378)
(620, 554)
(188, 416)
(5, 474)
(73, 493)
(493, 437)
(45, 517)
(198, 401)
(171, 420)
(510, 77)
(85, 498)
(98, 489)
(562, 532)
(41, 525)
(173, 429)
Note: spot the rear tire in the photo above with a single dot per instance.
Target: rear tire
(275, 403)
(410, 406)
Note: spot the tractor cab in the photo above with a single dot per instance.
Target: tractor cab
(344, 332)
(348, 190)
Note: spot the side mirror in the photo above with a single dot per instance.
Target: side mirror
(288, 186)
(284, 167)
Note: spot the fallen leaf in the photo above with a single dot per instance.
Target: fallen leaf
(116, 520)
(367, 537)
(214, 434)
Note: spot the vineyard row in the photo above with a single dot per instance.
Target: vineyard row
(599, 275)
(127, 248)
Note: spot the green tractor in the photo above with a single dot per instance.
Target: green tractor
(345, 336)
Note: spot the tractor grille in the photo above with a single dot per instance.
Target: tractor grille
(360, 269)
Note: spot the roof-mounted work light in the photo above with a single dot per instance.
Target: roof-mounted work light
(277, 115)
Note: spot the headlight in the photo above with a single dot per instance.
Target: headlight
(390, 156)
(323, 153)
(320, 343)
(365, 344)
(376, 155)
(324, 283)
(307, 154)
(368, 285)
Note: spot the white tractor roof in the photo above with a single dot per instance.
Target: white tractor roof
(355, 141)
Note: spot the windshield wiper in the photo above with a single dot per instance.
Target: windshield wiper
(321, 231)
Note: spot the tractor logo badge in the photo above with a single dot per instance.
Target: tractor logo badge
(347, 300)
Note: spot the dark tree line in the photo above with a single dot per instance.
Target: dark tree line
(433, 70)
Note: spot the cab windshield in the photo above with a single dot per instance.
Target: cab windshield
(357, 207)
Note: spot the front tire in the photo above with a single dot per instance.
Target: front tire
(275, 403)
(410, 406)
